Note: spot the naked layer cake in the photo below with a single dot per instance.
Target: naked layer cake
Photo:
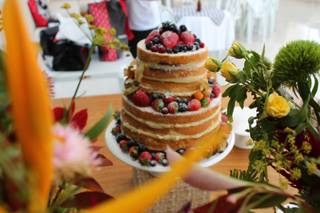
(170, 98)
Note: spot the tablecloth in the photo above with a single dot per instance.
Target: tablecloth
(216, 37)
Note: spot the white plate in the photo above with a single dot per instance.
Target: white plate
(116, 151)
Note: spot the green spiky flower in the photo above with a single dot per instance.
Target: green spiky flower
(295, 62)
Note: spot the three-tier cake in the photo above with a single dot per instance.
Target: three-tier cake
(170, 99)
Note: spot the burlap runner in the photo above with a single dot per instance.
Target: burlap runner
(178, 196)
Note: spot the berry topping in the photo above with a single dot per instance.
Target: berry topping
(216, 91)
(181, 151)
(164, 110)
(194, 105)
(183, 28)
(173, 107)
(134, 152)
(157, 104)
(159, 156)
(168, 100)
(140, 98)
(169, 39)
(224, 118)
(116, 130)
(120, 137)
(201, 45)
(152, 35)
(187, 38)
(145, 158)
(183, 107)
(198, 95)
(205, 102)
(124, 145)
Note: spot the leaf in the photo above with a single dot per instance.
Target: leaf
(186, 208)
(315, 87)
(89, 183)
(79, 120)
(58, 113)
(96, 129)
(84, 200)
(103, 161)
(266, 200)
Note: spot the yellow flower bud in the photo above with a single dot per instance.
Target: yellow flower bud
(237, 50)
(229, 71)
(212, 64)
(277, 106)
(66, 6)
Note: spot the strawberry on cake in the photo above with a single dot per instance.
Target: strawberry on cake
(170, 99)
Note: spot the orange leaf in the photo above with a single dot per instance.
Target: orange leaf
(30, 104)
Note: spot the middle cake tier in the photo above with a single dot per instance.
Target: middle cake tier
(157, 131)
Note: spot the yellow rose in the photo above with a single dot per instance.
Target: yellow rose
(212, 64)
(237, 50)
(277, 106)
(229, 71)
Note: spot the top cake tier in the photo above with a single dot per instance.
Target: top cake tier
(188, 57)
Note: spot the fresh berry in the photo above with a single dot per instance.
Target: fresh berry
(154, 48)
(164, 110)
(141, 147)
(175, 50)
(153, 34)
(159, 156)
(216, 91)
(164, 162)
(169, 51)
(168, 100)
(134, 152)
(120, 137)
(181, 151)
(194, 105)
(156, 40)
(156, 95)
(198, 40)
(196, 47)
(224, 118)
(131, 143)
(116, 130)
(183, 28)
(157, 104)
(124, 145)
(169, 39)
(145, 158)
(189, 47)
(183, 107)
(173, 107)
(201, 45)
(187, 38)
(165, 27)
(205, 102)
(161, 48)
(140, 98)
(198, 95)
(211, 81)
(153, 163)
(149, 45)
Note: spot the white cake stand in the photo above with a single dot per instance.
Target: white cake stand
(125, 157)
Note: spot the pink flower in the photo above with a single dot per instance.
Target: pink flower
(72, 153)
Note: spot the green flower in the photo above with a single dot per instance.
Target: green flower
(295, 62)
(89, 18)
(311, 167)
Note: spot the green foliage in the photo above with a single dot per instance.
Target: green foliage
(295, 62)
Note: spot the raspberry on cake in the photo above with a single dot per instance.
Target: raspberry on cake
(174, 102)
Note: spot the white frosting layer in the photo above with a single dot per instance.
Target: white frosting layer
(166, 67)
(170, 93)
(179, 80)
(173, 136)
(214, 103)
(165, 125)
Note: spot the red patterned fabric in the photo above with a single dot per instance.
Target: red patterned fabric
(39, 20)
(127, 28)
(101, 19)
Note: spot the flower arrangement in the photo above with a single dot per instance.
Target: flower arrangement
(285, 130)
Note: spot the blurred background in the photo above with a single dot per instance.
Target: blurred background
(217, 22)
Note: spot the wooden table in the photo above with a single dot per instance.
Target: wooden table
(117, 179)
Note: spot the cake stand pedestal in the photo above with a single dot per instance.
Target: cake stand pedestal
(176, 198)
(179, 195)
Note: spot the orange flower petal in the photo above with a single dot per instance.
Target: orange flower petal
(145, 196)
(30, 102)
